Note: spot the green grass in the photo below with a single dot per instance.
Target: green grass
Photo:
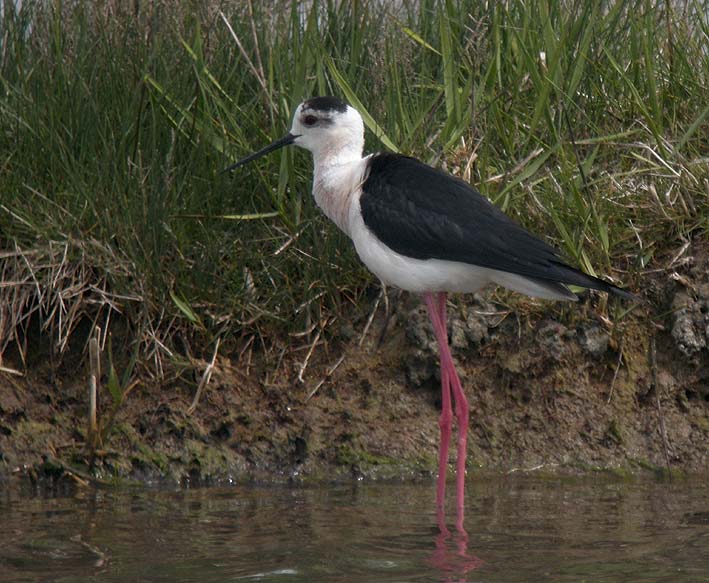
(586, 121)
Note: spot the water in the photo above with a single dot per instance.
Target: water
(518, 529)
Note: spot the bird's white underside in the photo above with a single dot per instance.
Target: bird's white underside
(433, 275)
(337, 189)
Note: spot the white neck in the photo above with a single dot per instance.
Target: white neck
(337, 176)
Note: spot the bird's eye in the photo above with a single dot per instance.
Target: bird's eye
(310, 120)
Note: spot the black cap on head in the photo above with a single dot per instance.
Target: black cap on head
(326, 103)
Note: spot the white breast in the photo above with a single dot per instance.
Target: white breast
(335, 183)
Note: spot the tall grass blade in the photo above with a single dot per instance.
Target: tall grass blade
(352, 98)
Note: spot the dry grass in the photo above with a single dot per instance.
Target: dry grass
(56, 286)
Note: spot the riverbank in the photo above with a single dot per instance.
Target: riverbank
(552, 389)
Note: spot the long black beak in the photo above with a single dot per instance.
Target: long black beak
(286, 140)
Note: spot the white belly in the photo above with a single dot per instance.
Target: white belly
(435, 275)
(415, 275)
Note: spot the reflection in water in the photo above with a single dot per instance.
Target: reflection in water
(459, 562)
(520, 530)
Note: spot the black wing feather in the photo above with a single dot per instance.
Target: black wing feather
(425, 213)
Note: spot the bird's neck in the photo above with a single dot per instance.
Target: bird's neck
(337, 178)
(337, 153)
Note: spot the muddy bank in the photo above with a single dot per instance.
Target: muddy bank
(552, 387)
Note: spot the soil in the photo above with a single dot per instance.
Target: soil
(553, 387)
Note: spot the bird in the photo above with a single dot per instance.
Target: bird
(425, 231)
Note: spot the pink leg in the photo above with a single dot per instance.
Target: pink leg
(437, 311)
(462, 416)
(445, 376)
(450, 383)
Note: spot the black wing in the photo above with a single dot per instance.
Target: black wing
(425, 213)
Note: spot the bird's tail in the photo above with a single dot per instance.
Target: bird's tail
(577, 277)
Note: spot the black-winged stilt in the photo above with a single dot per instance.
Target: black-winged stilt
(423, 230)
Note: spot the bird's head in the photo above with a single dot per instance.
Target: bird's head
(327, 126)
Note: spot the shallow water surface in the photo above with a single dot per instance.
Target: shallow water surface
(518, 529)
